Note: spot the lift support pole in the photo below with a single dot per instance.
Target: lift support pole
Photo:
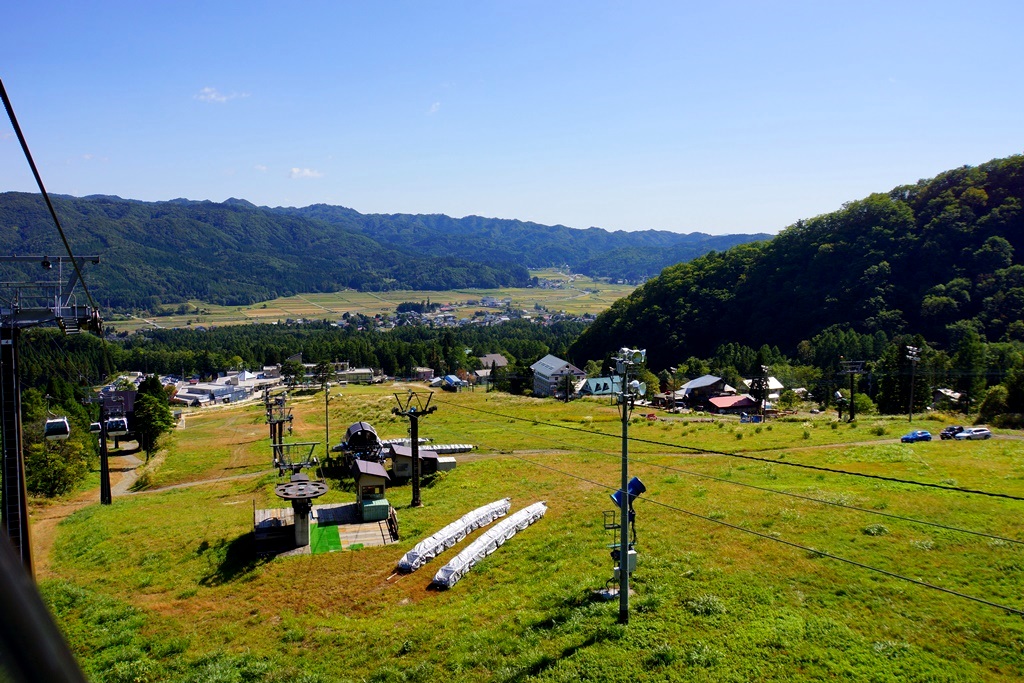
(15, 508)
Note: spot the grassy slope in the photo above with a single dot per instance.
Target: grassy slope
(163, 586)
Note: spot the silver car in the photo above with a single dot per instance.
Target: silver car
(973, 433)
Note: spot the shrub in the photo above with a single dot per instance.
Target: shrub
(875, 530)
(994, 403)
(703, 655)
(1007, 421)
(705, 606)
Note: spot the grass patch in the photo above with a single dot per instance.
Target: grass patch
(165, 586)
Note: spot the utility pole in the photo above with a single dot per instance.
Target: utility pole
(629, 390)
(327, 421)
(852, 368)
(913, 355)
(414, 408)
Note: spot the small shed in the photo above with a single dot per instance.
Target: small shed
(401, 461)
(371, 483)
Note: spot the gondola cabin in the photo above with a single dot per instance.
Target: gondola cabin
(95, 428)
(117, 426)
(57, 429)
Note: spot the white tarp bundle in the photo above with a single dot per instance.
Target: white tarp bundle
(488, 542)
(433, 546)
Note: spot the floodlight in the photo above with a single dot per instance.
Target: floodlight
(634, 386)
(46, 263)
(642, 388)
(639, 355)
(635, 489)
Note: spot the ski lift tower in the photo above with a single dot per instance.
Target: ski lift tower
(278, 413)
(45, 302)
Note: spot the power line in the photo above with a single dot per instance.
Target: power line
(792, 544)
(703, 451)
(42, 189)
(782, 493)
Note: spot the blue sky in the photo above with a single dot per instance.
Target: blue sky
(736, 117)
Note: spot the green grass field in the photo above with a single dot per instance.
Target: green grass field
(579, 295)
(164, 585)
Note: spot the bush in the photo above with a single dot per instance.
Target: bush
(705, 606)
(1006, 421)
(53, 468)
(994, 403)
(863, 404)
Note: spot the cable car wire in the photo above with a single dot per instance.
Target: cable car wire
(792, 544)
(39, 181)
(766, 489)
(703, 451)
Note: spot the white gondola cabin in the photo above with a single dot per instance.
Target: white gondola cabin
(95, 428)
(57, 429)
(117, 426)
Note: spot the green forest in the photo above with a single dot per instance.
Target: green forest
(934, 265)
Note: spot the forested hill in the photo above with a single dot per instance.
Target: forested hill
(237, 253)
(916, 259)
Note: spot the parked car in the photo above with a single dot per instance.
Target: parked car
(973, 433)
(919, 435)
(950, 432)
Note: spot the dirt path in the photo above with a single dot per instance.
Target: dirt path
(45, 518)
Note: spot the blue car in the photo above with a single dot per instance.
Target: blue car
(919, 435)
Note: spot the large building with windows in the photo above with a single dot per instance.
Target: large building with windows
(549, 376)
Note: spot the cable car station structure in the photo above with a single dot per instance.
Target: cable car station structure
(48, 302)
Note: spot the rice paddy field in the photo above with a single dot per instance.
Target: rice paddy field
(576, 295)
(749, 568)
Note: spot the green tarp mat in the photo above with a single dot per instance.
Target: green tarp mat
(324, 539)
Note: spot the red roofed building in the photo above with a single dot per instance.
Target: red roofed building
(733, 404)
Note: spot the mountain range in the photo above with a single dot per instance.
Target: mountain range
(234, 252)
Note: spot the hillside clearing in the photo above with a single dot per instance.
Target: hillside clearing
(164, 585)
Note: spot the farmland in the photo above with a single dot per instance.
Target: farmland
(577, 295)
(164, 585)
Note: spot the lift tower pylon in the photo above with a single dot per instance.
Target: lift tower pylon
(24, 305)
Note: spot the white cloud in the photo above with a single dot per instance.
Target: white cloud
(261, 168)
(305, 173)
(434, 108)
(209, 94)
